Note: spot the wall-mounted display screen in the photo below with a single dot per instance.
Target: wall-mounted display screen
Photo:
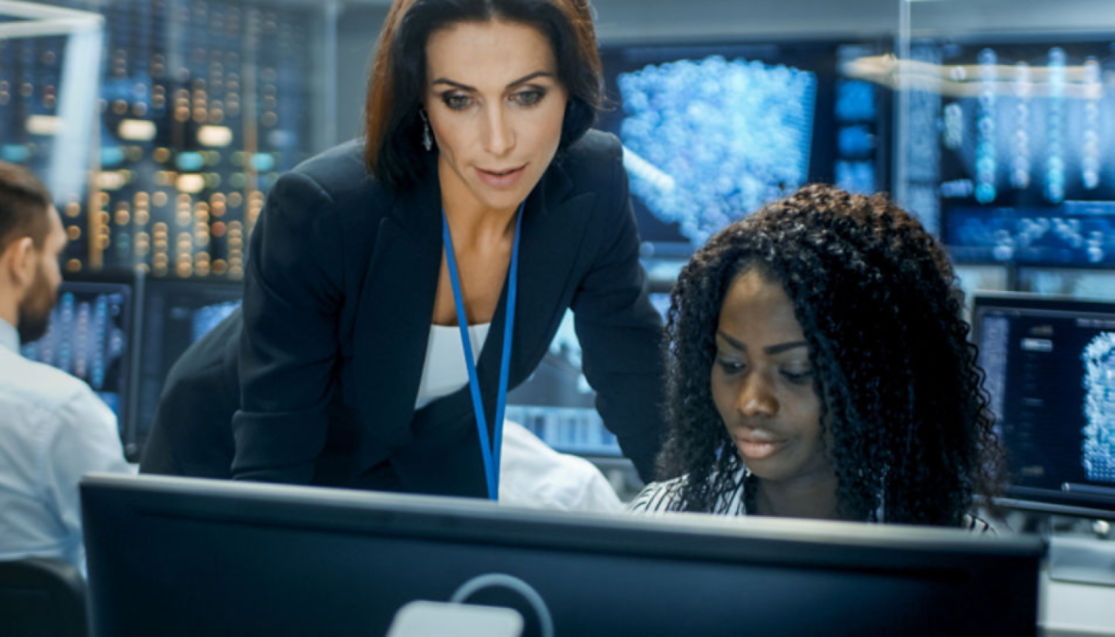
(1022, 166)
(712, 132)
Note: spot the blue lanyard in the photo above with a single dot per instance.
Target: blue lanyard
(489, 451)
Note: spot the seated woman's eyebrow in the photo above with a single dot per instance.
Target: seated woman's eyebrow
(770, 349)
(782, 347)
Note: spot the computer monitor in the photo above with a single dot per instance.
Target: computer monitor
(176, 312)
(557, 404)
(1050, 365)
(1015, 146)
(181, 556)
(713, 130)
(90, 336)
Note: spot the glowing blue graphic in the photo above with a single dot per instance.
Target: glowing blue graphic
(986, 162)
(857, 177)
(1079, 233)
(1099, 408)
(1055, 159)
(855, 141)
(206, 318)
(708, 141)
(855, 101)
(82, 338)
(1090, 148)
(1020, 160)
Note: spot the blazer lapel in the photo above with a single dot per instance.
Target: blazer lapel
(393, 319)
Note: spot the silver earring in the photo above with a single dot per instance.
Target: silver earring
(427, 139)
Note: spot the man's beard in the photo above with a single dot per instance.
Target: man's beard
(34, 310)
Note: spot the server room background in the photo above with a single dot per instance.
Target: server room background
(195, 107)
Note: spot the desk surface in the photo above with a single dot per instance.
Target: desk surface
(1068, 609)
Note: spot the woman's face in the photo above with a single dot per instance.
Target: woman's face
(496, 108)
(762, 383)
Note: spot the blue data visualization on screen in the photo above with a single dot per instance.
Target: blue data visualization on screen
(711, 132)
(89, 337)
(1022, 165)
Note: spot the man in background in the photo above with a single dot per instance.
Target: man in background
(53, 428)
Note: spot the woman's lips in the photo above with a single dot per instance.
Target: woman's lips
(758, 448)
(506, 178)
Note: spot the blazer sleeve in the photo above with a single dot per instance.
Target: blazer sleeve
(620, 331)
(289, 345)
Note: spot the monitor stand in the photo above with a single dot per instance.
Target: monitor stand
(1089, 560)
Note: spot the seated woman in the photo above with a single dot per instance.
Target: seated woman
(819, 367)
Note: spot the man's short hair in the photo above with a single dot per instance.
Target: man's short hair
(24, 201)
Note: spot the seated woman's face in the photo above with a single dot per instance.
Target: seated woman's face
(496, 108)
(762, 383)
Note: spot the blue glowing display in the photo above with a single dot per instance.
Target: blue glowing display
(709, 140)
(88, 337)
(1099, 408)
(1025, 139)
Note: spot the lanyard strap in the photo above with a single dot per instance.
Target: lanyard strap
(489, 451)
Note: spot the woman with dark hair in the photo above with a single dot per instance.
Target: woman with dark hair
(399, 285)
(818, 366)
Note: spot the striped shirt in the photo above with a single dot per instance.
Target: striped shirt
(665, 497)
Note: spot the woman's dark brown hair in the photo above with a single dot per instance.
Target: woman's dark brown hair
(393, 150)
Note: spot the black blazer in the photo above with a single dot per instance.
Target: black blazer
(338, 299)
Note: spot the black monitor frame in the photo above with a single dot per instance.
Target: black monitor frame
(189, 556)
(1043, 500)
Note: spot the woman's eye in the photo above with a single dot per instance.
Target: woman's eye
(456, 101)
(731, 367)
(529, 97)
(798, 377)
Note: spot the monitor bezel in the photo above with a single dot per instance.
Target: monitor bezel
(935, 554)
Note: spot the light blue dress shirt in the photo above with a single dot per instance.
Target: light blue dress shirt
(53, 429)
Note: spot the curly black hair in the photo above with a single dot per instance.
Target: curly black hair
(898, 380)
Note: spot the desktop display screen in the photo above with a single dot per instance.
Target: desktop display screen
(1050, 365)
(1023, 154)
(714, 131)
(209, 557)
(175, 314)
(89, 336)
(557, 403)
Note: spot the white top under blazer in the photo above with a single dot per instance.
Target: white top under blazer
(444, 370)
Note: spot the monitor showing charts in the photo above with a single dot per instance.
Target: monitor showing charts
(1050, 365)
(175, 314)
(712, 131)
(90, 336)
(558, 405)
